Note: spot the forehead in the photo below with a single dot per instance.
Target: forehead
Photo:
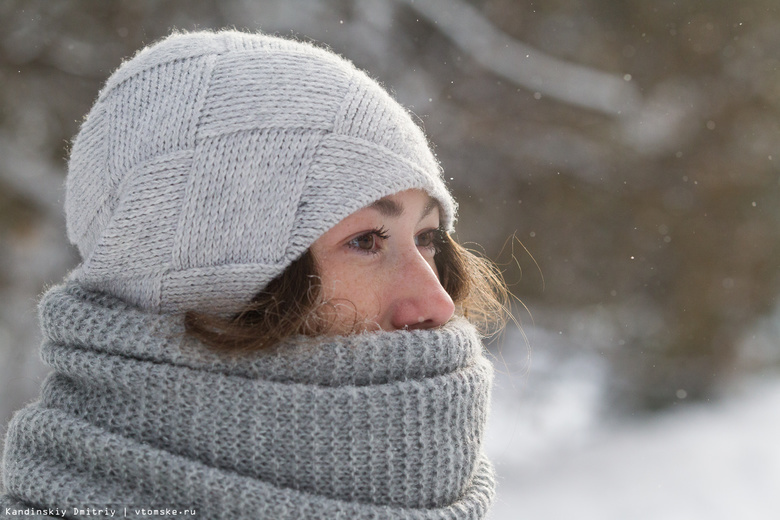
(414, 205)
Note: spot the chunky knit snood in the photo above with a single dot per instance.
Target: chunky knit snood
(137, 415)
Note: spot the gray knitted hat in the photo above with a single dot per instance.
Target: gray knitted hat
(211, 161)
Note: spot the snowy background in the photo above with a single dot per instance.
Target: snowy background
(619, 161)
(558, 457)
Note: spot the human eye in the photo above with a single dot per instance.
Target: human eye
(429, 239)
(369, 242)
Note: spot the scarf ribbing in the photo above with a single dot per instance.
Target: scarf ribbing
(380, 425)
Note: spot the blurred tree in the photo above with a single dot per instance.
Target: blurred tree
(661, 199)
(634, 151)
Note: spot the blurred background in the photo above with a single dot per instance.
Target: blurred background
(619, 160)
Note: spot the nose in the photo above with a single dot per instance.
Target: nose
(418, 299)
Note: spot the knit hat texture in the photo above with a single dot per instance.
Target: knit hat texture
(211, 161)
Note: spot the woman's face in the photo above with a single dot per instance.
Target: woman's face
(377, 269)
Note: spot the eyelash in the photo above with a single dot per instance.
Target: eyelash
(436, 239)
(381, 233)
(377, 232)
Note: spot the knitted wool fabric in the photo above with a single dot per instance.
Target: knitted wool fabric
(211, 161)
(383, 425)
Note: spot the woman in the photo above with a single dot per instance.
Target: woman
(264, 323)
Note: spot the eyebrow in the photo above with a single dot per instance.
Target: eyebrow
(432, 204)
(387, 208)
(390, 208)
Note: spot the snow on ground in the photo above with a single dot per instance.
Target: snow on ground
(556, 459)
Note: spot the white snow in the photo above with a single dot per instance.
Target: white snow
(556, 459)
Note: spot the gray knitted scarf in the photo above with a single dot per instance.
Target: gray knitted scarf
(137, 416)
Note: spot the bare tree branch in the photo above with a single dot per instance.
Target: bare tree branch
(525, 65)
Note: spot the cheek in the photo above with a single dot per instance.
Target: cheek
(352, 288)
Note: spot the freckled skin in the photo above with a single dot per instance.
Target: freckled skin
(377, 269)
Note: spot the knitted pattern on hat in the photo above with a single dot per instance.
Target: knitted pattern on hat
(211, 161)
(370, 426)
